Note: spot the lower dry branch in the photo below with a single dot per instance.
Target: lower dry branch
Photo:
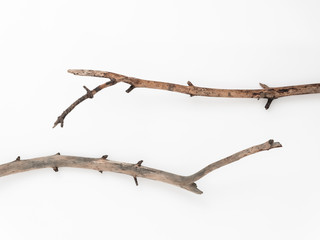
(265, 92)
(135, 170)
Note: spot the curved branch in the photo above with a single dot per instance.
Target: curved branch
(134, 170)
(266, 92)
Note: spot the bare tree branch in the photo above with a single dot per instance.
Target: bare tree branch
(266, 92)
(135, 170)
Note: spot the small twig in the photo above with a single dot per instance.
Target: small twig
(136, 180)
(139, 163)
(269, 103)
(190, 84)
(130, 89)
(134, 170)
(89, 94)
(266, 92)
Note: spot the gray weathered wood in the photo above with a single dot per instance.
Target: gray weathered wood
(135, 170)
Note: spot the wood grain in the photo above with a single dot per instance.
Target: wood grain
(265, 92)
(135, 170)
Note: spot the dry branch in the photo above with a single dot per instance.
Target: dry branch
(266, 92)
(135, 170)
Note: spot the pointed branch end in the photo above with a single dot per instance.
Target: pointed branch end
(192, 187)
(60, 121)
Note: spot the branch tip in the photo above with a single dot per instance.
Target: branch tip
(192, 187)
(60, 121)
(74, 71)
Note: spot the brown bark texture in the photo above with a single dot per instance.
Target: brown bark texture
(135, 170)
(265, 92)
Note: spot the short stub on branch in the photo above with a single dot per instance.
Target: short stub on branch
(130, 88)
(269, 103)
(134, 170)
(136, 181)
(264, 86)
(89, 93)
(191, 90)
(139, 163)
(268, 94)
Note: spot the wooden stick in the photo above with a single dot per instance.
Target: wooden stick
(266, 92)
(135, 170)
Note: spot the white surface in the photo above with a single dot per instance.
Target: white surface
(222, 44)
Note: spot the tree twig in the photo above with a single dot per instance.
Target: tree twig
(266, 92)
(135, 170)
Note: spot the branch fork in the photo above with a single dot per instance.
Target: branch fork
(266, 92)
(135, 170)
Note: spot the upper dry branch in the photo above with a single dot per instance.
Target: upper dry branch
(134, 170)
(266, 92)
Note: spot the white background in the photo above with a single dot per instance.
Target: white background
(222, 44)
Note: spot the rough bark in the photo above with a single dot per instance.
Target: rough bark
(266, 92)
(135, 170)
